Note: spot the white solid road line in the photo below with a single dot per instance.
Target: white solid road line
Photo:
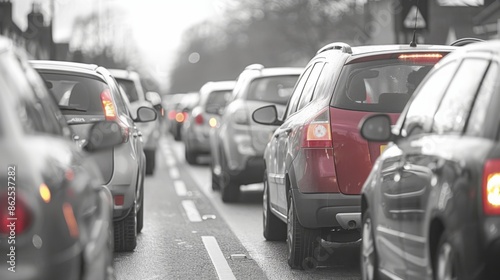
(222, 268)
(174, 173)
(191, 211)
(180, 188)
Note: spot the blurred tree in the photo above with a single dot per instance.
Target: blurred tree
(270, 32)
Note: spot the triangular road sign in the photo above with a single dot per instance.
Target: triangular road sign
(414, 15)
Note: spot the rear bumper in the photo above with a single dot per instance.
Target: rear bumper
(197, 141)
(252, 173)
(327, 210)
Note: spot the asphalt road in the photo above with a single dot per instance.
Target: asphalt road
(190, 234)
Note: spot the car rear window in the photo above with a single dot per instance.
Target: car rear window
(219, 98)
(76, 95)
(276, 89)
(382, 85)
(129, 88)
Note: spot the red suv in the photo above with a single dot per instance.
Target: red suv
(316, 161)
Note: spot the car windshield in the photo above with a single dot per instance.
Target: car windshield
(129, 88)
(276, 89)
(383, 85)
(76, 95)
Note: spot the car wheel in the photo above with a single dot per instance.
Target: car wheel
(215, 179)
(190, 156)
(140, 213)
(229, 190)
(446, 266)
(125, 232)
(150, 161)
(302, 242)
(274, 228)
(369, 259)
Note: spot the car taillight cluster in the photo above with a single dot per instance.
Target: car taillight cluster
(198, 119)
(317, 133)
(110, 113)
(14, 220)
(180, 117)
(491, 187)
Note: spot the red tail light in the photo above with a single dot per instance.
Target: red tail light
(317, 133)
(108, 106)
(491, 187)
(15, 220)
(198, 119)
(171, 115)
(421, 57)
(181, 117)
(110, 113)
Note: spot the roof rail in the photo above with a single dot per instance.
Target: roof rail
(255, 66)
(465, 41)
(345, 48)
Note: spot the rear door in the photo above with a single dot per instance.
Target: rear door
(437, 161)
(393, 198)
(277, 152)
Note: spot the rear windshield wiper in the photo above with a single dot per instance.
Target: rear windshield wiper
(71, 108)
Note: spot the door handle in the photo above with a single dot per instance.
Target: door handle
(139, 133)
(287, 131)
(135, 134)
(437, 166)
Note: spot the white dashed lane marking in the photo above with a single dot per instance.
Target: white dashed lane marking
(222, 268)
(174, 173)
(180, 188)
(191, 211)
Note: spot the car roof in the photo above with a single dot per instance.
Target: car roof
(124, 74)
(492, 46)
(278, 71)
(217, 85)
(64, 66)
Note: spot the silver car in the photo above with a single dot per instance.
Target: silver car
(239, 141)
(88, 93)
(204, 117)
(130, 82)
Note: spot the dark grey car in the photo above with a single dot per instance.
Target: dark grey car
(55, 215)
(431, 204)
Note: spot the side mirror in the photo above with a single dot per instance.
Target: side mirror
(267, 115)
(376, 128)
(104, 135)
(145, 114)
(153, 97)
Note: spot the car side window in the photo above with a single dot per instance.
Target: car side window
(489, 86)
(294, 99)
(425, 102)
(310, 85)
(454, 109)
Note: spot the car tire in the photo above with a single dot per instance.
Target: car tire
(125, 232)
(446, 261)
(150, 161)
(215, 179)
(140, 213)
(229, 190)
(369, 257)
(190, 156)
(274, 228)
(302, 242)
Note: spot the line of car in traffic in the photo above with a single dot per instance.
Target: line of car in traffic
(418, 184)
(78, 167)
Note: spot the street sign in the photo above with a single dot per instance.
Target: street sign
(414, 12)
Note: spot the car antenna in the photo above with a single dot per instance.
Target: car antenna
(413, 42)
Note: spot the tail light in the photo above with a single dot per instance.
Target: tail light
(198, 119)
(171, 115)
(421, 57)
(491, 187)
(212, 122)
(180, 117)
(317, 133)
(110, 113)
(16, 219)
(162, 112)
